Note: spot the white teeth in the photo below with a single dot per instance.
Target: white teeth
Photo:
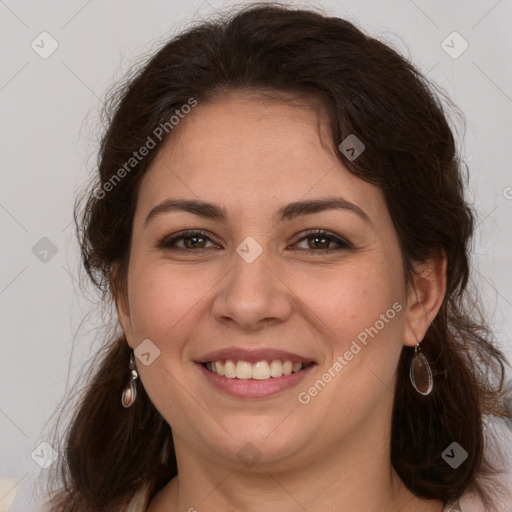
(243, 370)
(229, 369)
(260, 370)
(276, 368)
(287, 367)
(218, 367)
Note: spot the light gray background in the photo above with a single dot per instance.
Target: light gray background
(49, 111)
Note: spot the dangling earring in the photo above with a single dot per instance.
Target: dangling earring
(420, 373)
(129, 394)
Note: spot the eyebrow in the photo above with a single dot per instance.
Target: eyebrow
(288, 212)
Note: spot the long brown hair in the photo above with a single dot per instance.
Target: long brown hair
(369, 90)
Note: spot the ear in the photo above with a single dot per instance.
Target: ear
(120, 296)
(425, 296)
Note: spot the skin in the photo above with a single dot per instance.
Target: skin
(251, 156)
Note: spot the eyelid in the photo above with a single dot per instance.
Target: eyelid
(168, 241)
(341, 241)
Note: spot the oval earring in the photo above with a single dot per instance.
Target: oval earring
(129, 393)
(420, 373)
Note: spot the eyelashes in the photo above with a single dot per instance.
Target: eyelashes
(196, 237)
(169, 242)
(326, 237)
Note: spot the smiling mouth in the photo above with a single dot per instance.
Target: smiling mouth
(261, 370)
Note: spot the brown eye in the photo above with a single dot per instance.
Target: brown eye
(191, 240)
(195, 241)
(319, 242)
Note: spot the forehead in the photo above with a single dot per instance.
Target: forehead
(253, 154)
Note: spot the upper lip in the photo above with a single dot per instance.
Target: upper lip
(253, 355)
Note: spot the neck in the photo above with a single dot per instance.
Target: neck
(352, 479)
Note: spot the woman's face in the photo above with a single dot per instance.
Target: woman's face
(255, 283)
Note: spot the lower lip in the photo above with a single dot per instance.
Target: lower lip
(252, 388)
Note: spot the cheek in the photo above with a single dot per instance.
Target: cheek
(348, 300)
(361, 315)
(163, 299)
(164, 304)
(362, 346)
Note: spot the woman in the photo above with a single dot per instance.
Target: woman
(280, 220)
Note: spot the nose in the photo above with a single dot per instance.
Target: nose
(253, 295)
